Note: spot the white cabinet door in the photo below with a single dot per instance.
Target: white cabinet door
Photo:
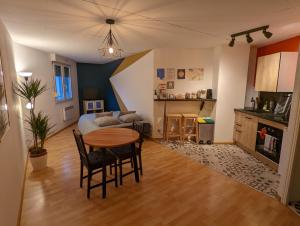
(287, 72)
(267, 73)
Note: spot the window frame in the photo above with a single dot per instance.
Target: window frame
(62, 70)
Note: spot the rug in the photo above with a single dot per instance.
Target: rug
(233, 162)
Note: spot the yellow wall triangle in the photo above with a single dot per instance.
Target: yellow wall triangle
(129, 61)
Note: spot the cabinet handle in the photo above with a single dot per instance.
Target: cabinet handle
(238, 131)
(248, 117)
(238, 124)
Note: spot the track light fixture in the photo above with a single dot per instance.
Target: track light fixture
(267, 34)
(231, 43)
(249, 39)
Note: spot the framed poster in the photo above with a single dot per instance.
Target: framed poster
(170, 73)
(4, 116)
(180, 73)
(170, 85)
(160, 73)
(195, 74)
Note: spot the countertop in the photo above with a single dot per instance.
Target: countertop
(264, 115)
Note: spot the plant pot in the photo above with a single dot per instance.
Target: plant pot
(39, 161)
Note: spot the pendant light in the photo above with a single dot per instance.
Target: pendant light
(110, 47)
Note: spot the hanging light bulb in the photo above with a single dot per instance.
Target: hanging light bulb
(29, 106)
(111, 50)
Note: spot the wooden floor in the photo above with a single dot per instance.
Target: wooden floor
(173, 191)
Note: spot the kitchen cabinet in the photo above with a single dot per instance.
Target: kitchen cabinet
(245, 131)
(276, 72)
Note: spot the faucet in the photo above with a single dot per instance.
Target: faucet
(253, 103)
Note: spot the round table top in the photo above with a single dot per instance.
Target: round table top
(110, 137)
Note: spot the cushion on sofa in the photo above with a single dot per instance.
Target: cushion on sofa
(130, 118)
(106, 121)
(126, 113)
(101, 114)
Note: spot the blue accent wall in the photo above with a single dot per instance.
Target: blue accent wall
(93, 83)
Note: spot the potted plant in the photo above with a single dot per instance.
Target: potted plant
(38, 123)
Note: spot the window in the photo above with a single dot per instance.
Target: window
(63, 82)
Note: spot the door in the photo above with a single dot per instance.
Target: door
(267, 73)
(287, 72)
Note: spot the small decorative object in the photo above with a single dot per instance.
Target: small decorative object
(170, 85)
(4, 117)
(160, 73)
(180, 73)
(38, 123)
(180, 96)
(170, 75)
(195, 74)
(187, 96)
(199, 94)
(203, 94)
(172, 97)
(209, 94)
(194, 96)
(155, 95)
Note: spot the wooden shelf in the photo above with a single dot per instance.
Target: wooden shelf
(211, 100)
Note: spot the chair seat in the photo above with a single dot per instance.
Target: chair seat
(97, 158)
(122, 152)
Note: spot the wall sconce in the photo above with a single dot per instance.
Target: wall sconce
(25, 74)
(249, 39)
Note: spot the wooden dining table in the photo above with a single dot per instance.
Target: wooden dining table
(112, 138)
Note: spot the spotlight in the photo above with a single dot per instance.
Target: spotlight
(267, 34)
(249, 39)
(231, 43)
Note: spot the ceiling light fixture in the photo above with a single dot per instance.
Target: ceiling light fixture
(231, 43)
(110, 44)
(249, 39)
(267, 34)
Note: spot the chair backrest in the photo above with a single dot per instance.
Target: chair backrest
(81, 147)
(139, 127)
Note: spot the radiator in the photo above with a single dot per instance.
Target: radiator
(68, 113)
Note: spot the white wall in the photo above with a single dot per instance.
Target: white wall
(135, 86)
(232, 81)
(12, 150)
(183, 59)
(39, 63)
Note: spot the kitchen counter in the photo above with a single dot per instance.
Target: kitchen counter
(264, 115)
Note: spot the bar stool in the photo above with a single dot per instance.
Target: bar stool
(190, 127)
(171, 128)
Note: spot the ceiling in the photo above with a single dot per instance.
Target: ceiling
(76, 28)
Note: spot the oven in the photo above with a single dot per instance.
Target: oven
(268, 141)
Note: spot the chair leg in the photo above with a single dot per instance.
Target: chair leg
(121, 173)
(110, 169)
(89, 183)
(131, 162)
(103, 181)
(140, 163)
(116, 174)
(81, 174)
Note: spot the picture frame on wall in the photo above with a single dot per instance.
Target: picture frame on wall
(180, 73)
(4, 114)
(170, 85)
(195, 74)
(160, 73)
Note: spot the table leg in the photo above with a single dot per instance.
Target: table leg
(135, 164)
(91, 148)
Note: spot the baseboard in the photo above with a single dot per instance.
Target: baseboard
(22, 191)
(224, 142)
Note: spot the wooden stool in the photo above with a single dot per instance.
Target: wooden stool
(170, 131)
(190, 126)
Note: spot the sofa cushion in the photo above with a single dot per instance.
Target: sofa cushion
(101, 114)
(106, 121)
(130, 118)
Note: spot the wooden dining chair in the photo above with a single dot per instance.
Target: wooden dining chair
(95, 162)
(124, 153)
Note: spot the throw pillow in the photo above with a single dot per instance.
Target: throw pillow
(106, 121)
(130, 117)
(126, 112)
(101, 114)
